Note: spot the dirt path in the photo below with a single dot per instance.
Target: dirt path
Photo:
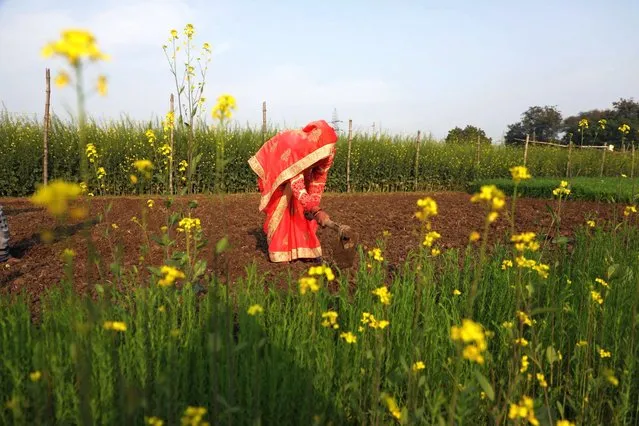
(40, 265)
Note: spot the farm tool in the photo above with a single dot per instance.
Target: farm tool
(344, 252)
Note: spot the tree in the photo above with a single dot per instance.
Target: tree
(468, 134)
(602, 126)
(541, 123)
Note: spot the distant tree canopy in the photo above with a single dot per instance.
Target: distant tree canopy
(598, 126)
(602, 127)
(468, 134)
(541, 123)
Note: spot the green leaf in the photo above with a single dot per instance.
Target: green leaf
(551, 355)
(221, 245)
(485, 385)
(612, 269)
(199, 268)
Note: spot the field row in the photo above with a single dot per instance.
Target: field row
(376, 163)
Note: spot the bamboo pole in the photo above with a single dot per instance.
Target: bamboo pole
(419, 140)
(569, 159)
(603, 161)
(348, 158)
(172, 110)
(47, 104)
(526, 149)
(263, 121)
(478, 148)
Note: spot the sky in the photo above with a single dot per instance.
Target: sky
(405, 65)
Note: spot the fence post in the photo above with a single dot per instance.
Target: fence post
(263, 122)
(478, 148)
(569, 159)
(47, 103)
(526, 149)
(172, 111)
(348, 158)
(603, 161)
(419, 140)
(632, 162)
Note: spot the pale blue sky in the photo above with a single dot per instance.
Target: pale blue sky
(405, 65)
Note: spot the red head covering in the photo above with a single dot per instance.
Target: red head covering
(289, 153)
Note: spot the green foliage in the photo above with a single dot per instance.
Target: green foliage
(383, 163)
(467, 135)
(282, 366)
(610, 189)
(542, 123)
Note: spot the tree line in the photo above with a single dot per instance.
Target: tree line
(617, 126)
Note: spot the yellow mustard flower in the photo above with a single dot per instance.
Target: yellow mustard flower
(349, 337)
(383, 294)
(56, 196)
(330, 319)
(169, 275)
(519, 173)
(472, 335)
(114, 325)
(254, 310)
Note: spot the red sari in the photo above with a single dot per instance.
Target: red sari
(291, 169)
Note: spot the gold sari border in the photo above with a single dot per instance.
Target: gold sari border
(278, 213)
(295, 169)
(300, 253)
(256, 167)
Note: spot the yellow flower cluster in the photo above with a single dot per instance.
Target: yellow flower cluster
(349, 337)
(35, 376)
(254, 310)
(506, 264)
(524, 364)
(493, 198)
(150, 135)
(602, 123)
(602, 282)
(542, 380)
(153, 421)
(383, 294)
(430, 238)
(369, 319)
(73, 45)
(472, 335)
(376, 254)
(114, 325)
(224, 107)
(624, 128)
(596, 297)
(591, 223)
(541, 268)
(91, 153)
(56, 196)
(519, 173)
(100, 173)
(562, 189)
(604, 354)
(419, 365)
(193, 416)
(393, 408)
(629, 210)
(330, 320)
(525, 241)
(144, 167)
(523, 410)
(524, 318)
(322, 270)
(170, 274)
(190, 224)
(428, 209)
(583, 123)
(308, 283)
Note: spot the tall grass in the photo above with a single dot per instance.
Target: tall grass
(383, 163)
(287, 365)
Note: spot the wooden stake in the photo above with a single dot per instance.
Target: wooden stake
(348, 158)
(419, 140)
(603, 161)
(263, 121)
(478, 148)
(526, 149)
(632, 166)
(172, 109)
(45, 159)
(569, 155)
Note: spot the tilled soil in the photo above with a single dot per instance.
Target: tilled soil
(39, 265)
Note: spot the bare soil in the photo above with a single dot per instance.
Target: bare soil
(39, 265)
